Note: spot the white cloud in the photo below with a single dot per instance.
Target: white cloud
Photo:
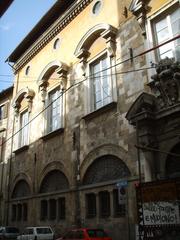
(6, 27)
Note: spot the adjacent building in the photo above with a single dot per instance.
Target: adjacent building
(5, 103)
(89, 122)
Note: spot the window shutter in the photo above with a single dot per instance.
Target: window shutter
(5, 111)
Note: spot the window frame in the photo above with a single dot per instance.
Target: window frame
(4, 110)
(166, 9)
(119, 209)
(91, 211)
(165, 15)
(112, 86)
(48, 125)
(23, 138)
(1, 112)
(104, 202)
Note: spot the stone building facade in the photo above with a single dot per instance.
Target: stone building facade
(78, 81)
(5, 147)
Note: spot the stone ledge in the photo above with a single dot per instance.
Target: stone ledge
(99, 111)
(52, 134)
(21, 149)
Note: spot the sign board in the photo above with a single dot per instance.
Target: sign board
(123, 183)
(161, 213)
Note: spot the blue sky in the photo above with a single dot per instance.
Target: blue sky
(15, 24)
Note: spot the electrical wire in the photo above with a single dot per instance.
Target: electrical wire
(86, 78)
(94, 77)
(124, 61)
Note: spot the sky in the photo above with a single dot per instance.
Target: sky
(15, 24)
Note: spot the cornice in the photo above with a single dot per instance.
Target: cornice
(53, 30)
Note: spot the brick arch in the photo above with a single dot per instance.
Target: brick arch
(105, 168)
(103, 150)
(50, 168)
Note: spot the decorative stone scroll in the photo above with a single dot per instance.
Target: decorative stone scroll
(26, 94)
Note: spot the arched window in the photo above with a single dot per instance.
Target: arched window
(54, 208)
(54, 181)
(27, 70)
(103, 169)
(19, 211)
(96, 8)
(56, 44)
(106, 168)
(21, 189)
(52, 83)
(96, 51)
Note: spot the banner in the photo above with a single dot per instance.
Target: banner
(161, 213)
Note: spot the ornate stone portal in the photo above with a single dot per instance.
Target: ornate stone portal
(166, 83)
(156, 116)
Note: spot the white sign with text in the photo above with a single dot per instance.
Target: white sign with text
(161, 213)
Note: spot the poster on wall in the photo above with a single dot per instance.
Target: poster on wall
(161, 213)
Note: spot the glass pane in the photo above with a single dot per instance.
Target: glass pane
(96, 68)
(104, 63)
(97, 84)
(105, 81)
(165, 48)
(161, 25)
(175, 15)
(98, 105)
(98, 96)
(176, 27)
(163, 35)
(168, 54)
(106, 92)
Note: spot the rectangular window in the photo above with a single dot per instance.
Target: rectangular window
(44, 210)
(52, 209)
(25, 211)
(19, 212)
(55, 110)
(14, 207)
(104, 204)
(61, 208)
(1, 112)
(24, 128)
(100, 83)
(90, 205)
(165, 29)
(119, 208)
